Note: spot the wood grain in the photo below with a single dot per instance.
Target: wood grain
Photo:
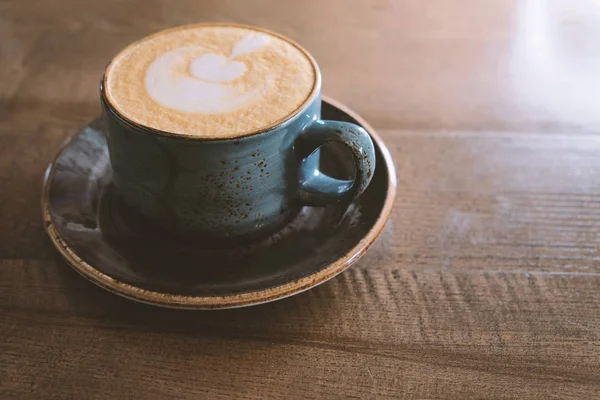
(485, 283)
(512, 65)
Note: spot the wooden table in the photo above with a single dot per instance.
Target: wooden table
(485, 283)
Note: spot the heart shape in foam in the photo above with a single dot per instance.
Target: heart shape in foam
(216, 68)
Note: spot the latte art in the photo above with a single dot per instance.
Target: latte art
(205, 91)
(211, 81)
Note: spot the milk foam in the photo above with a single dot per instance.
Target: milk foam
(206, 91)
(211, 81)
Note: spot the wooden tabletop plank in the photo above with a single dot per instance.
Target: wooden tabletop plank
(516, 202)
(370, 332)
(463, 64)
(484, 284)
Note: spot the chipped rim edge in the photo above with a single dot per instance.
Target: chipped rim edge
(238, 300)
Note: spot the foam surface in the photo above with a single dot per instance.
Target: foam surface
(209, 80)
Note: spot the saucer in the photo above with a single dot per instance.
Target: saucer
(113, 249)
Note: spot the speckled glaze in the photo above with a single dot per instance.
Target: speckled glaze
(118, 251)
(237, 188)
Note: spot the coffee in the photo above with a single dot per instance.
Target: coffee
(213, 81)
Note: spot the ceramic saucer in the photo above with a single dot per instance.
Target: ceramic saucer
(111, 248)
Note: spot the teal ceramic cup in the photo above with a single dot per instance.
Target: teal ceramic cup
(232, 189)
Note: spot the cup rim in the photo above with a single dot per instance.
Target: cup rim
(314, 93)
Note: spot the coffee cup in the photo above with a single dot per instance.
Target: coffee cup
(214, 129)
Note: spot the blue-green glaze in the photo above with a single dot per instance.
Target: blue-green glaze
(232, 188)
(318, 189)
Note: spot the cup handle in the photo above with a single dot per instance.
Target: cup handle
(318, 189)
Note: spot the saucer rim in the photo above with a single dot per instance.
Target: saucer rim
(171, 300)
